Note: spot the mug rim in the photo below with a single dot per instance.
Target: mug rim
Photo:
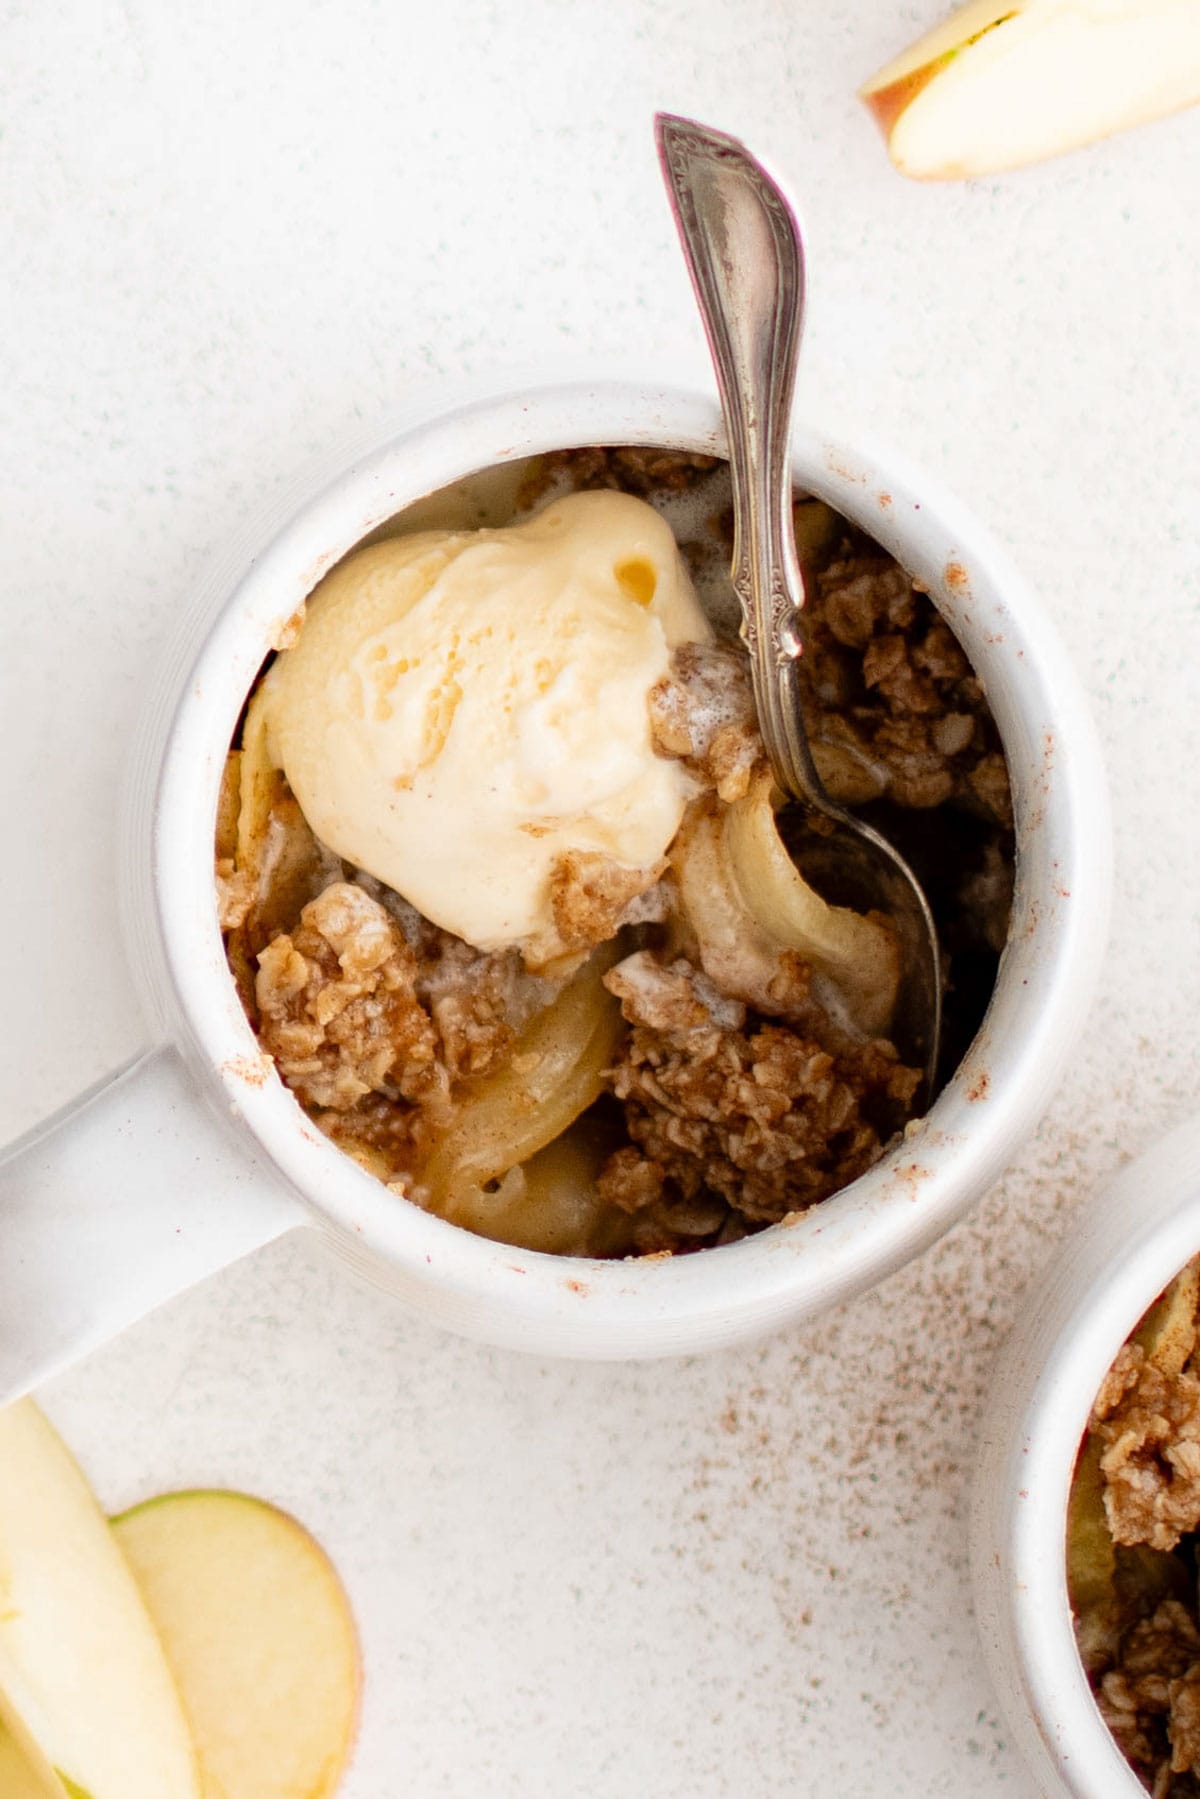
(926, 1180)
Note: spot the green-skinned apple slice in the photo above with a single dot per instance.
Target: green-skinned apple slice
(258, 1630)
(996, 85)
(84, 1683)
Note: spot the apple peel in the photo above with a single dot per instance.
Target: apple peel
(997, 86)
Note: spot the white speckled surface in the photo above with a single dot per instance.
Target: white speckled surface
(229, 233)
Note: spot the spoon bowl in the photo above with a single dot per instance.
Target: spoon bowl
(742, 243)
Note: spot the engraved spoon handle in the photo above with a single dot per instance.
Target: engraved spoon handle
(743, 248)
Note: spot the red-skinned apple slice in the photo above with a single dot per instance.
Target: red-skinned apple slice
(259, 1634)
(996, 86)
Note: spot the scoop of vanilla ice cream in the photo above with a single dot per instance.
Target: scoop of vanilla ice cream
(463, 708)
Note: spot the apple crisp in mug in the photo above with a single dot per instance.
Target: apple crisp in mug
(502, 887)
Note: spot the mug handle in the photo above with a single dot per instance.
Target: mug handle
(132, 1193)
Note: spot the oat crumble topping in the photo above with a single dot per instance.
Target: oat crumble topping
(1134, 1587)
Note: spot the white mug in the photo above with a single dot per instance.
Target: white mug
(197, 1153)
(1130, 1242)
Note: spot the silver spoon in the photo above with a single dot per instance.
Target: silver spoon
(741, 239)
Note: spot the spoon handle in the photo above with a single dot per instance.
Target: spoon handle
(742, 243)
